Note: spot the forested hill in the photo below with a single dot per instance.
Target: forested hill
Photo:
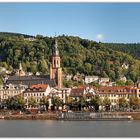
(77, 55)
(9, 34)
(132, 49)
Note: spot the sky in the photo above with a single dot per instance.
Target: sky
(105, 22)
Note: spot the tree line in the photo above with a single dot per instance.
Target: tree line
(81, 104)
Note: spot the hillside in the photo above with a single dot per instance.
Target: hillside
(77, 55)
(132, 49)
(9, 34)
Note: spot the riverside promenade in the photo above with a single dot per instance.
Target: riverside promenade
(85, 116)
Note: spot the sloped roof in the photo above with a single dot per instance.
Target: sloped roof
(31, 80)
(116, 89)
(77, 92)
(43, 86)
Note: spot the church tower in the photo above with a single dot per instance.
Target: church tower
(55, 68)
(20, 71)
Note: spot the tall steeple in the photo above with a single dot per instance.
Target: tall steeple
(55, 68)
(55, 51)
(20, 71)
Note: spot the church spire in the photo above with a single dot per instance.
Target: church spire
(55, 51)
(55, 68)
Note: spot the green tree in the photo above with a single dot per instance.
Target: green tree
(96, 102)
(129, 82)
(120, 83)
(134, 102)
(20, 101)
(83, 102)
(123, 103)
(57, 102)
(45, 102)
(107, 103)
(32, 102)
(11, 103)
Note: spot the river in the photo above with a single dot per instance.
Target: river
(49, 128)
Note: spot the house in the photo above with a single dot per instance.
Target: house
(8, 91)
(68, 77)
(90, 79)
(63, 93)
(37, 92)
(116, 92)
(103, 81)
(122, 78)
(76, 93)
(125, 66)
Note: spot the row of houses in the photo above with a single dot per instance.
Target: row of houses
(103, 81)
(39, 91)
(88, 79)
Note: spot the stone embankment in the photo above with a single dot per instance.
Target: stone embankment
(32, 117)
(55, 116)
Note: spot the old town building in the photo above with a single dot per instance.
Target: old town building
(116, 92)
(10, 90)
(37, 92)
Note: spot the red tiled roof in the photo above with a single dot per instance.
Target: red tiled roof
(77, 92)
(116, 90)
(43, 86)
(89, 95)
(115, 87)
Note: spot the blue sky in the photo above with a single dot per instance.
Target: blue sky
(104, 22)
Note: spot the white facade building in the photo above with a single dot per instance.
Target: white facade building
(10, 90)
(90, 79)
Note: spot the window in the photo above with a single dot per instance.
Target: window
(54, 62)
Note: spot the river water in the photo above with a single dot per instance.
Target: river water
(49, 128)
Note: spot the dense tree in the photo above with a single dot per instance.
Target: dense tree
(32, 102)
(96, 102)
(20, 101)
(134, 102)
(107, 103)
(44, 102)
(57, 102)
(123, 103)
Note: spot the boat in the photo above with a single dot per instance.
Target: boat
(93, 117)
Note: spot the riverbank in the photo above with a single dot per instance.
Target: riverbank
(55, 116)
(32, 117)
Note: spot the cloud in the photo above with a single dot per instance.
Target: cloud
(99, 37)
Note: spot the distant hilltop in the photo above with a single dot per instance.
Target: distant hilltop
(8, 34)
